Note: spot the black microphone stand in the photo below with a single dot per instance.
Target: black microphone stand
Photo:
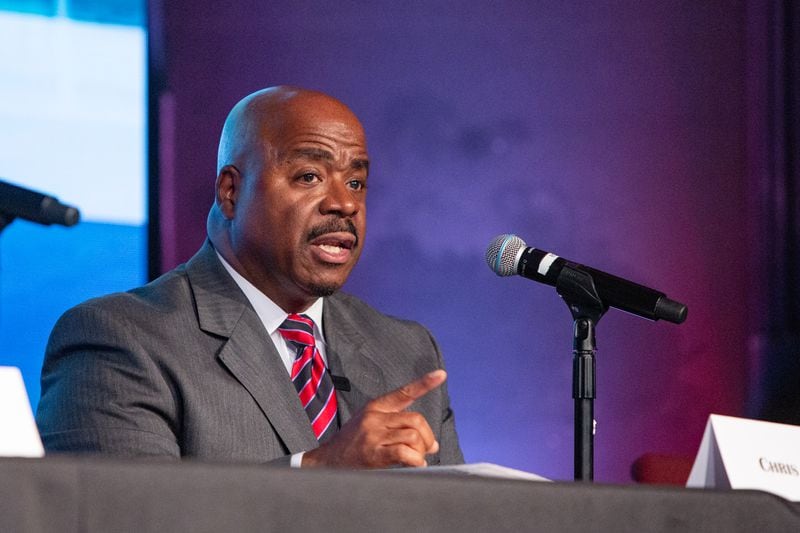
(577, 289)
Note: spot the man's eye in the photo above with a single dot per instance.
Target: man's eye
(357, 185)
(309, 177)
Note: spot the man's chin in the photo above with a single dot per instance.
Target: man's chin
(328, 281)
(322, 290)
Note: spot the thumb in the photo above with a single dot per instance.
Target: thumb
(399, 399)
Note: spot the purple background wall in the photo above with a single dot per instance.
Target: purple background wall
(612, 133)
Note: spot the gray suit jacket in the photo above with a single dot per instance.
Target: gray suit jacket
(183, 367)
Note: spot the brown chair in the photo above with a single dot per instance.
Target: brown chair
(661, 469)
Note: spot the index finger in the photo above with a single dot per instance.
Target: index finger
(399, 399)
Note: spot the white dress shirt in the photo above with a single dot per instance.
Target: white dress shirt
(272, 316)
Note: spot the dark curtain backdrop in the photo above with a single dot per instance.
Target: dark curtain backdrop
(776, 179)
(652, 139)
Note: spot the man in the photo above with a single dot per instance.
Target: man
(236, 354)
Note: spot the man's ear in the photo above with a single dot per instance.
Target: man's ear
(227, 190)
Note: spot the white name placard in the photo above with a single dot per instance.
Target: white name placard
(738, 453)
(19, 436)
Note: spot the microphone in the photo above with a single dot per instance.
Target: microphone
(340, 383)
(508, 255)
(34, 206)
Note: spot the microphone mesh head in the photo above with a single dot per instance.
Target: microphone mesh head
(501, 255)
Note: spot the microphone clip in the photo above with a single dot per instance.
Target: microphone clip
(578, 291)
(340, 383)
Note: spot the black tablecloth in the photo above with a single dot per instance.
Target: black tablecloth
(103, 495)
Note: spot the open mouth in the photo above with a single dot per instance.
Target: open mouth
(334, 247)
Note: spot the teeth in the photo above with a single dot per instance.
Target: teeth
(331, 249)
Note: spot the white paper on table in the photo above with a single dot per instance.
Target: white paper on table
(475, 469)
(19, 436)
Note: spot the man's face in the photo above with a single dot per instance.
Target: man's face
(300, 213)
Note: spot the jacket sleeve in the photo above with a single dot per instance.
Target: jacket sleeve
(449, 449)
(102, 392)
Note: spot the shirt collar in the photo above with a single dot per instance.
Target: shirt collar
(270, 313)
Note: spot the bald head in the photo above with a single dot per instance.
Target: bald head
(290, 206)
(257, 119)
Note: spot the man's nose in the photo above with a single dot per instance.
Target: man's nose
(339, 199)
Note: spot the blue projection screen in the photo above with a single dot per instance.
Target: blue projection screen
(73, 125)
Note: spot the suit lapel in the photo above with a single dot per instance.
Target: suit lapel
(248, 353)
(251, 357)
(350, 355)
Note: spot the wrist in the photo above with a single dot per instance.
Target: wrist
(310, 459)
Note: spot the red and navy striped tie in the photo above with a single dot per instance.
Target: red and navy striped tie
(310, 377)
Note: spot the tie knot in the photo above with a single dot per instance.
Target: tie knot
(298, 329)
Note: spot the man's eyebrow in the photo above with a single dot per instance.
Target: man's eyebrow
(360, 164)
(318, 154)
(315, 154)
